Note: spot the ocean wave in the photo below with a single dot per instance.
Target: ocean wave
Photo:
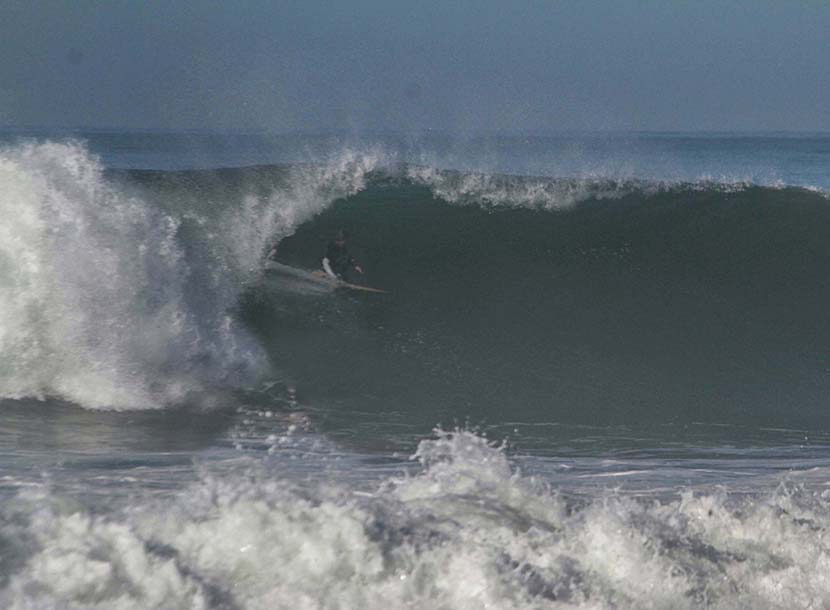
(122, 289)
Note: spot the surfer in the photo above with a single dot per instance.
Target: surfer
(338, 262)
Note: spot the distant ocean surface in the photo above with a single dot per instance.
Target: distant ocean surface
(599, 377)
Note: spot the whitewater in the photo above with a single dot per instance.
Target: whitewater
(598, 379)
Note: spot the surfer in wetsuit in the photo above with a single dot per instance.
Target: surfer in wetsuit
(338, 262)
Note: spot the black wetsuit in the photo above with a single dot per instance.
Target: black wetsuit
(340, 260)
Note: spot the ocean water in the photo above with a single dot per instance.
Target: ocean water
(599, 377)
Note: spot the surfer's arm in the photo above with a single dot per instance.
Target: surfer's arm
(327, 267)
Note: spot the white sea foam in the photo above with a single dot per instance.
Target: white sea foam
(467, 531)
(91, 299)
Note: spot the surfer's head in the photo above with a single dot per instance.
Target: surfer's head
(341, 237)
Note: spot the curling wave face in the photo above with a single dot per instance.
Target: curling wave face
(535, 300)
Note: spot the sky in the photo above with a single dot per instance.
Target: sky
(462, 66)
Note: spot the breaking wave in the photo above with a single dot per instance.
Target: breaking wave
(127, 289)
(113, 300)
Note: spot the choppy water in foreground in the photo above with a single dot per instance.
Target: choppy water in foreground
(598, 379)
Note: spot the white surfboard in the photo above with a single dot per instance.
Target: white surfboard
(319, 278)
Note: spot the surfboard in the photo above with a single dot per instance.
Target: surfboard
(318, 277)
(325, 277)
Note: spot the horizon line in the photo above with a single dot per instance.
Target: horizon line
(341, 131)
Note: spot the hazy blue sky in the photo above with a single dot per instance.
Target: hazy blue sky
(461, 65)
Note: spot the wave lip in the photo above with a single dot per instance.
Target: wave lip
(560, 193)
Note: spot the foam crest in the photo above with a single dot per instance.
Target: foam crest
(94, 291)
(552, 193)
(520, 191)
